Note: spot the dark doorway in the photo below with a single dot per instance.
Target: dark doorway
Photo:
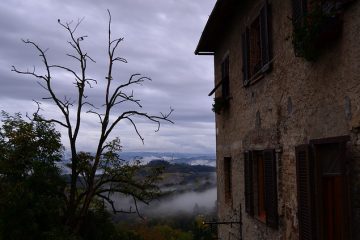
(330, 159)
(323, 194)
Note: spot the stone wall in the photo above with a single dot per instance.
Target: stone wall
(294, 103)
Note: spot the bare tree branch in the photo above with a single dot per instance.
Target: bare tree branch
(84, 166)
(67, 69)
(111, 202)
(97, 114)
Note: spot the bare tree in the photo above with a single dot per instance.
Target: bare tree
(116, 175)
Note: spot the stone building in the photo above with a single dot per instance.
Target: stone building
(287, 97)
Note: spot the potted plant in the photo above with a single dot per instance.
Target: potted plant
(220, 103)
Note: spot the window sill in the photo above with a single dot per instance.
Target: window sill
(258, 219)
(258, 75)
(261, 218)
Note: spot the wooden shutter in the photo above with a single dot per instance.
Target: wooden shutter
(345, 2)
(245, 58)
(299, 8)
(227, 179)
(345, 167)
(248, 179)
(225, 77)
(265, 37)
(270, 180)
(305, 193)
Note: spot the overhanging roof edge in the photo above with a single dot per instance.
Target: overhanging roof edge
(222, 10)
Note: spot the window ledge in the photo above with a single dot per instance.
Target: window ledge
(259, 75)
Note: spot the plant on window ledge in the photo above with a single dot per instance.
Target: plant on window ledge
(317, 28)
(219, 104)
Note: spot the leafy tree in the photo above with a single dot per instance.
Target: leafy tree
(117, 176)
(32, 189)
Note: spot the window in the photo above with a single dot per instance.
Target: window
(225, 81)
(256, 47)
(321, 168)
(227, 179)
(225, 78)
(261, 186)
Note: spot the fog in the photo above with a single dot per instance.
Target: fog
(186, 202)
(195, 194)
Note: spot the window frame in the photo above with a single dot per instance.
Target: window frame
(259, 186)
(225, 77)
(309, 183)
(270, 198)
(227, 168)
(251, 76)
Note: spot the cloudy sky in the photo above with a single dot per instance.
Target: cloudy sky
(160, 37)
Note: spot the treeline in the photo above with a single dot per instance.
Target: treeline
(33, 200)
(180, 167)
(179, 227)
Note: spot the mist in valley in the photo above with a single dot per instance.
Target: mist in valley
(179, 201)
(188, 202)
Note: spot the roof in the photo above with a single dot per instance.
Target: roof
(219, 20)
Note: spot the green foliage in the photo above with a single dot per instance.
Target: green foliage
(23, 143)
(33, 203)
(307, 40)
(220, 103)
(178, 227)
(304, 35)
(180, 167)
(31, 200)
(98, 225)
(161, 232)
(201, 231)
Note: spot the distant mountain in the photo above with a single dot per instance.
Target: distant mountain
(173, 167)
(207, 159)
(182, 177)
(193, 159)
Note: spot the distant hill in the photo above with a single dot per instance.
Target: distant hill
(170, 167)
(184, 187)
(208, 159)
(182, 177)
(182, 169)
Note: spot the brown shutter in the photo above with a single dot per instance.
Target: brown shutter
(225, 77)
(299, 8)
(245, 58)
(265, 37)
(346, 184)
(271, 205)
(305, 186)
(345, 2)
(249, 191)
(227, 179)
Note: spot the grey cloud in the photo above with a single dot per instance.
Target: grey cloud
(159, 39)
